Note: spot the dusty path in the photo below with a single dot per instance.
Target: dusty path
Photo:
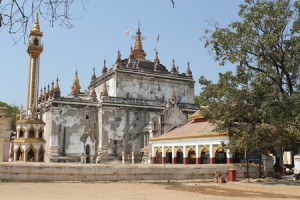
(144, 191)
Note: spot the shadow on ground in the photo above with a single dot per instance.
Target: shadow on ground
(226, 192)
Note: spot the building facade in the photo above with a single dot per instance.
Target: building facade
(196, 142)
(110, 118)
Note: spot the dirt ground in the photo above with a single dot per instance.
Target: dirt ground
(182, 190)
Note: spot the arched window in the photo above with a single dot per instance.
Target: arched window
(205, 156)
(169, 156)
(31, 134)
(40, 134)
(35, 42)
(179, 157)
(158, 156)
(87, 117)
(30, 155)
(19, 154)
(192, 157)
(220, 156)
(21, 134)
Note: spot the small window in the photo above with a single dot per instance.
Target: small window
(36, 42)
(87, 117)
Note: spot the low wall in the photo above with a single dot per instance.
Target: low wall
(128, 172)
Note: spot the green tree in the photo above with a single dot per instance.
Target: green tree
(12, 112)
(259, 104)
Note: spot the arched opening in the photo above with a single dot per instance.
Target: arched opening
(30, 155)
(87, 117)
(36, 42)
(169, 156)
(87, 153)
(19, 154)
(220, 156)
(179, 157)
(21, 133)
(204, 156)
(41, 134)
(41, 154)
(158, 156)
(31, 134)
(191, 157)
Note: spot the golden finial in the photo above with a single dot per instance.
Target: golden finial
(104, 68)
(138, 51)
(76, 85)
(104, 92)
(36, 26)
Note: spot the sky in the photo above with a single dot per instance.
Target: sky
(98, 33)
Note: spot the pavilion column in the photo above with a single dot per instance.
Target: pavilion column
(163, 155)
(211, 154)
(153, 157)
(184, 155)
(198, 160)
(229, 157)
(173, 155)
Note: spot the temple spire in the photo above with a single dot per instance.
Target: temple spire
(119, 60)
(52, 90)
(76, 85)
(57, 90)
(138, 51)
(173, 69)
(188, 71)
(156, 62)
(94, 74)
(104, 68)
(36, 27)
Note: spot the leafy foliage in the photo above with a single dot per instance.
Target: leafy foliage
(12, 112)
(259, 104)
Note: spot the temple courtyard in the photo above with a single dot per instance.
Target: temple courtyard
(192, 190)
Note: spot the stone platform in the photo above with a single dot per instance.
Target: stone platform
(127, 172)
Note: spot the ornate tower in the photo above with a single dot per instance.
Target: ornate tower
(34, 49)
(29, 143)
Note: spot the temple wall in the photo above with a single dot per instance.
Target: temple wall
(100, 172)
(64, 128)
(121, 128)
(153, 88)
